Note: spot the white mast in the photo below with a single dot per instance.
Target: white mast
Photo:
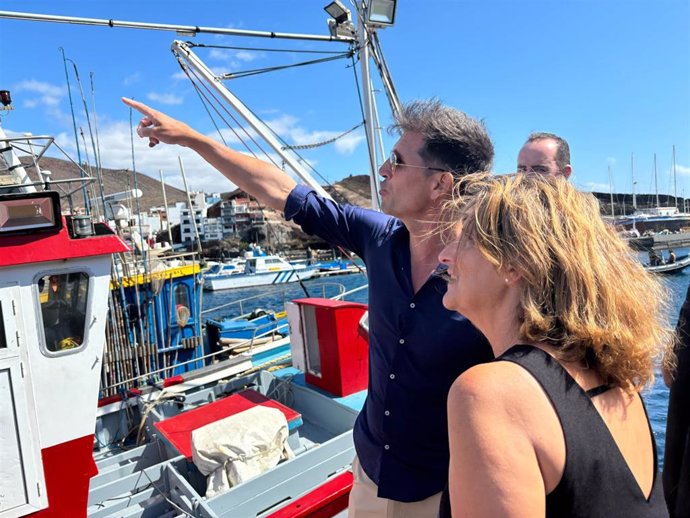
(613, 213)
(675, 193)
(656, 184)
(632, 173)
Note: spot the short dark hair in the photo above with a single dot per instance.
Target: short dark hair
(452, 139)
(562, 147)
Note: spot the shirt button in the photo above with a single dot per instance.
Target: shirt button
(412, 305)
(386, 447)
(392, 376)
(387, 413)
(402, 341)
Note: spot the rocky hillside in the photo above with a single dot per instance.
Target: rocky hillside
(114, 180)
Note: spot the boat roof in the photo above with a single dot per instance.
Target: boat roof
(38, 247)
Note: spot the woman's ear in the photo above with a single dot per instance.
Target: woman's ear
(510, 275)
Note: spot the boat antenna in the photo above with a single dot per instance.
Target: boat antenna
(165, 203)
(87, 203)
(99, 176)
(144, 252)
(191, 208)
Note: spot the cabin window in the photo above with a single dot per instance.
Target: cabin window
(63, 299)
(3, 340)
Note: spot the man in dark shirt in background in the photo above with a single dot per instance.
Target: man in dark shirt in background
(416, 347)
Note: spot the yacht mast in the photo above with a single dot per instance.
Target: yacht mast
(632, 173)
(613, 213)
(656, 185)
(675, 193)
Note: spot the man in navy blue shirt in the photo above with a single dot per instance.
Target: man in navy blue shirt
(417, 347)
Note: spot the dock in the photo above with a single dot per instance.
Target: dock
(661, 241)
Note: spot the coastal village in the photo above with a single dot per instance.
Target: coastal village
(226, 223)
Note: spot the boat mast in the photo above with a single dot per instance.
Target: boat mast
(675, 192)
(632, 173)
(656, 184)
(369, 122)
(613, 213)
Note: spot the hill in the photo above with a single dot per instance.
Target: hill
(114, 180)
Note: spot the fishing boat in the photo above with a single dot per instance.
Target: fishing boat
(52, 341)
(258, 271)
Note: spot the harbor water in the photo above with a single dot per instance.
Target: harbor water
(274, 298)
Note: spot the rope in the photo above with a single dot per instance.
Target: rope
(324, 142)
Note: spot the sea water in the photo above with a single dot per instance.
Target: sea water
(274, 298)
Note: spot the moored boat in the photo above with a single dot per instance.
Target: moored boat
(258, 271)
(677, 266)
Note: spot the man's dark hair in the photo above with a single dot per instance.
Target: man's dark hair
(452, 139)
(562, 147)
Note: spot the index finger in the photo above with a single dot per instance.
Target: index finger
(140, 107)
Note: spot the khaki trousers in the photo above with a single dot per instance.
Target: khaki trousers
(365, 504)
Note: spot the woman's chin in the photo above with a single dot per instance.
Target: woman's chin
(450, 304)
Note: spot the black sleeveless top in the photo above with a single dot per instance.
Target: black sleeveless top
(597, 481)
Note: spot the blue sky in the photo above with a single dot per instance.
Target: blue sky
(611, 76)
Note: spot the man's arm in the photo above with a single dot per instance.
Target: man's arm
(264, 181)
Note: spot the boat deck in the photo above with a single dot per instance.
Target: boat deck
(156, 479)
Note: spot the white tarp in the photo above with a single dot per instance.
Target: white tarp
(239, 447)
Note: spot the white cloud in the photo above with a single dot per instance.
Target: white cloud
(164, 98)
(131, 79)
(249, 55)
(611, 161)
(116, 153)
(683, 170)
(179, 75)
(41, 93)
(234, 58)
(595, 187)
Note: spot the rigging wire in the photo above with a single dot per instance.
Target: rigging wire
(260, 49)
(205, 99)
(256, 71)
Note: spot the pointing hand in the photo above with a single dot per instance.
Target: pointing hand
(157, 126)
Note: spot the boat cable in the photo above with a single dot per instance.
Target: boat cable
(210, 93)
(260, 49)
(257, 71)
(237, 122)
(206, 102)
(278, 137)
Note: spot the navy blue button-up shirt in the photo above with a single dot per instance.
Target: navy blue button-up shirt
(417, 348)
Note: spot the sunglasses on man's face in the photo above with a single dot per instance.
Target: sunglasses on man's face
(394, 162)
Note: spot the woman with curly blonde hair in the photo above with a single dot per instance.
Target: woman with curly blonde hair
(555, 426)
